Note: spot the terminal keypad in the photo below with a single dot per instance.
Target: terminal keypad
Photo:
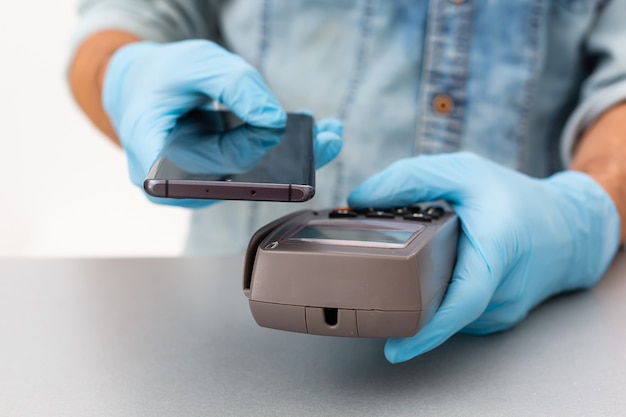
(414, 212)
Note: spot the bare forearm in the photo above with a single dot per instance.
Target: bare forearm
(86, 74)
(601, 153)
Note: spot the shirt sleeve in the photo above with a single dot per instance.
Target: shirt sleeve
(606, 85)
(157, 20)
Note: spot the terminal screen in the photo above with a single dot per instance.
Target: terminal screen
(318, 232)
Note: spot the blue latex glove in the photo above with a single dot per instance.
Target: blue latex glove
(239, 149)
(523, 239)
(148, 86)
(199, 152)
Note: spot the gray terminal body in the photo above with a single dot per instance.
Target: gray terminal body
(354, 276)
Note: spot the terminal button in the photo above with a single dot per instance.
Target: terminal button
(400, 211)
(342, 212)
(414, 208)
(435, 212)
(380, 214)
(364, 210)
(419, 217)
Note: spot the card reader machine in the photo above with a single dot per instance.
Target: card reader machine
(356, 273)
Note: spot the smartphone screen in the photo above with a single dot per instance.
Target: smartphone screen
(214, 155)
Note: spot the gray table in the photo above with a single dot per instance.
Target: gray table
(174, 337)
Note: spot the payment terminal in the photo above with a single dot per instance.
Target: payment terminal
(354, 273)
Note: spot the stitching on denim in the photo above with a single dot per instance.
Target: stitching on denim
(426, 63)
(360, 61)
(365, 28)
(531, 85)
(262, 47)
(463, 41)
(264, 34)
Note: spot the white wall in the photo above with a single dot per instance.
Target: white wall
(64, 189)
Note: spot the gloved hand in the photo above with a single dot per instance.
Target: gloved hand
(523, 239)
(148, 86)
(199, 151)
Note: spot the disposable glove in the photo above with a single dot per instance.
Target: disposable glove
(201, 152)
(148, 86)
(198, 150)
(523, 239)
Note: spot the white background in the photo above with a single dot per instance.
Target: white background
(64, 187)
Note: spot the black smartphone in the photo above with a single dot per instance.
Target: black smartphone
(214, 155)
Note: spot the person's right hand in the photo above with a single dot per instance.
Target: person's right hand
(148, 86)
(201, 151)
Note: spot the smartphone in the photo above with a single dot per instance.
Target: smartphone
(211, 154)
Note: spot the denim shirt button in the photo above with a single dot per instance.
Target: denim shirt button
(443, 104)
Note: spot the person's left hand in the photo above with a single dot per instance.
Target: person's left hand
(523, 239)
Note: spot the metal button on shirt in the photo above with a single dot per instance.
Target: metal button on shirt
(443, 104)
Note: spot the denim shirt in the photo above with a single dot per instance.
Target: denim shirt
(514, 81)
